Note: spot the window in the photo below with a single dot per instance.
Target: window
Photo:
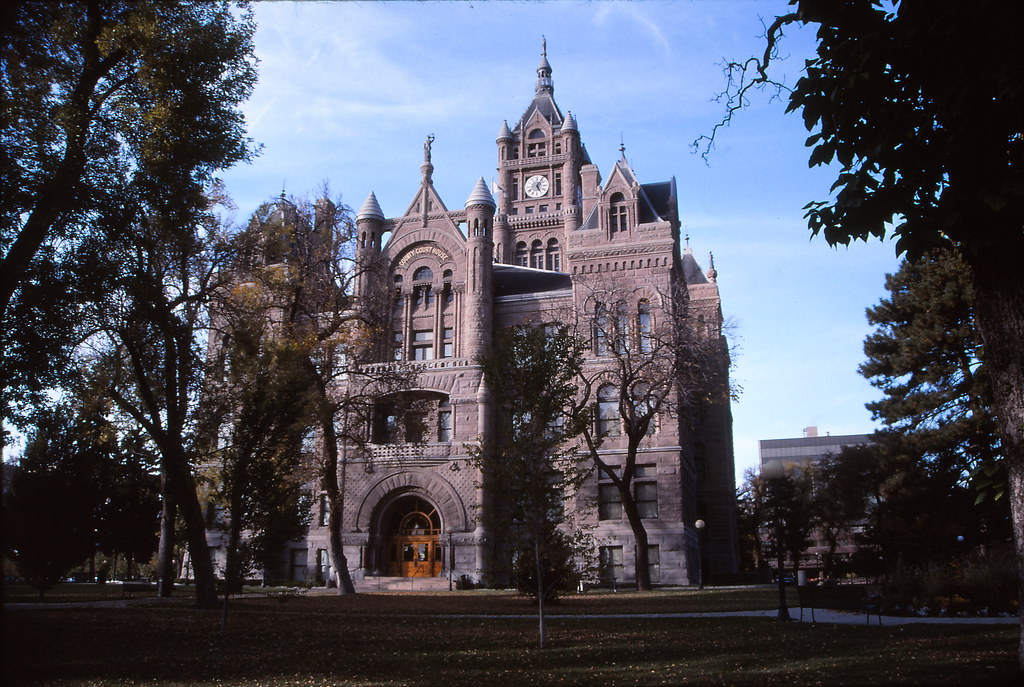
(558, 183)
(537, 255)
(325, 510)
(444, 422)
(424, 296)
(399, 353)
(622, 328)
(646, 494)
(609, 502)
(554, 256)
(323, 565)
(644, 324)
(385, 425)
(515, 190)
(608, 411)
(536, 146)
(617, 214)
(601, 330)
(448, 345)
(522, 257)
(611, 564)
(297, 573)
(423, 345)
(423, 274)
(654, 563)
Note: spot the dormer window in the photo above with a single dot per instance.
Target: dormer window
(618, 223)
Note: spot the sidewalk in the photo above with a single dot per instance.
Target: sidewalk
(820, 615)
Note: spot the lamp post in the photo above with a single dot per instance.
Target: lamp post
(700, 553)
(451, 556)
(774, 473)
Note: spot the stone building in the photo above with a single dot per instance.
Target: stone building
(527, 253)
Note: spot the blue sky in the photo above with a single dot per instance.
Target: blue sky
(348, 92)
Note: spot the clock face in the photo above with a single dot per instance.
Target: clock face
(536, 186)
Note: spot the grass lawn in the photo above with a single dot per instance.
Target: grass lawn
(404, 639)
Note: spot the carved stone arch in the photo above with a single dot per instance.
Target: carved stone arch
(428, 484)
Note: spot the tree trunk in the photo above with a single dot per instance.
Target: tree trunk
(642, 570)
(999, 309)
(165, 572)
(330, 484)
(183, 489)
(538, 564)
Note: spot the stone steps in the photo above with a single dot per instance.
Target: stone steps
(401, 584)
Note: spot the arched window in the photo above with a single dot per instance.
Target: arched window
(536, 145)
(600, 330)
(537, 254)
(645, 325)
(617, 215)
(608, 417)
(423, 274)
(522, 258)
(554, 256)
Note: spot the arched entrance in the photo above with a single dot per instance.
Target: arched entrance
(412, 528)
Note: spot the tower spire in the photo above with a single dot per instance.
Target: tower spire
(544, 83)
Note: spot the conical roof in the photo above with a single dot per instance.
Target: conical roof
(480, 195)
(370, 209)
(505, 132)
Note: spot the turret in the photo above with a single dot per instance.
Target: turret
(369, 229)
(477, 316)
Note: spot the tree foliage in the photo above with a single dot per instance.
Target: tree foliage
(298, 255)
(107, 103)
(531, 464)
(920, 106)
(646, 368)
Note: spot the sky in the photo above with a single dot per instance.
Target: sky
(348, 91)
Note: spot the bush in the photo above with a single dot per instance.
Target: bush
(560, 574)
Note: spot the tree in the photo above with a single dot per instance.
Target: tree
(105, 101)
(144, 353)
(920, 106)
(301, 256)
(51, 507)
(259, 415)
(926, 357)
(531, 464)
(646, 368)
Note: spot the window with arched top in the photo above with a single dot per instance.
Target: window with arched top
(536, 146)
(617, 222)
(600, 330)
(522, 256)
(645, 325)
(423, 274)
(537, 254)
(554, 256)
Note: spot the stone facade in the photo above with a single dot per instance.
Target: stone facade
(413, 505)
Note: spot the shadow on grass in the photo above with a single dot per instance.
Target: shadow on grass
(364, 640)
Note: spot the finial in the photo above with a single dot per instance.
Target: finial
(543, 46)
(622, 144)
(687, 237)
(712, 272)
(282, 189)
(426, 148)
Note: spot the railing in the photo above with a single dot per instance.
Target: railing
(403, 453)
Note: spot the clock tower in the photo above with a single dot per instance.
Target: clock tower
(539, 162)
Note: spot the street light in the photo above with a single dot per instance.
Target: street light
(700, 553)
(774, 472)
(451, 556)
